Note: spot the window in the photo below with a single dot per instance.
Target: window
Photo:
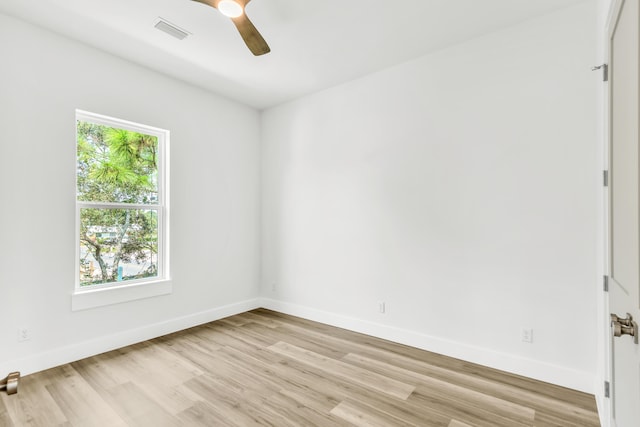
(121, 203)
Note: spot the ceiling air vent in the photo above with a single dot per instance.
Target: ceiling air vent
(171, 29)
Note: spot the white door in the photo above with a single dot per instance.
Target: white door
(624, 213)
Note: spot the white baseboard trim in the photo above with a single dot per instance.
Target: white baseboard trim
(71, 353)
(542, 371)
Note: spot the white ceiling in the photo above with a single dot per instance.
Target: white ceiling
(314, 44)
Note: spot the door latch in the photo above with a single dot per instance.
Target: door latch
(626, 326)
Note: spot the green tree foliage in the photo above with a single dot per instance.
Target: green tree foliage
(116, 166)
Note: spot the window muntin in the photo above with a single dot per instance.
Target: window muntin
(121, 205)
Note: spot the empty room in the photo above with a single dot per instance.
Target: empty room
(305, 213)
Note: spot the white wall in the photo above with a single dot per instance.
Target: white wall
(214, 184)
(460, 188)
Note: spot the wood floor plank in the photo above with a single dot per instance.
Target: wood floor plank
(5, 419)
(263, 368)
(499, 389)
(193, 338)
(214, 410)
(224, 336)
(33, 405)
(365, 417)
(304, 403)
(244, 380)
(360, 376)
(138, 409)
(314, 390)
(253, 317)
(103, 370)
(550, 420)
(150, 359)
(196, 354)
(237, 320)
(241, 337)
(344, 337)
(322, 391)
(438, 410)
(459, 409)
(201, 414)
(502, 391)
(233, 404)
(79, 401)
(277, 334)
(159, 373)
(305, 408)
(482, 400)
(292, 414)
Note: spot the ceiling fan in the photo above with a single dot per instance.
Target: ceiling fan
(234, 9)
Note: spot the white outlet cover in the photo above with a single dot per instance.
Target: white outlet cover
(24, 334)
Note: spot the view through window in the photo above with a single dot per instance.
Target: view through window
(120, 201)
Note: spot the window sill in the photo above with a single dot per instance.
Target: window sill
(85, 299)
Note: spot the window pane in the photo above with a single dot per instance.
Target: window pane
(116, 165)
(118, 245)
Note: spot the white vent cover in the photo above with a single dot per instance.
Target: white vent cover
(171, 29)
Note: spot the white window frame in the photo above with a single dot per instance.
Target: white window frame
(117, 292)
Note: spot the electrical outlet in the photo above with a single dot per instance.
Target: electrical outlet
(527, 335)
(382, 307)
(24, 334)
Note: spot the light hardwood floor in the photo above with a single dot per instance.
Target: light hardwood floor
(269, 369)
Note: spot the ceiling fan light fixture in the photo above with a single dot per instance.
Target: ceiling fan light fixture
(230, 8)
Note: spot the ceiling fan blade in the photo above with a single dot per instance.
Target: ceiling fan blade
(252, 38)
(209, 3)
(214, 3)
(250, 35)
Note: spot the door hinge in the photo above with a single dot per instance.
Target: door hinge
(605, 71)
(605, 283)
(607, 389)
(605, 178)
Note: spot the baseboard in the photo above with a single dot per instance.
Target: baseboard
(60, 356)
(554, 374)
(541, 371)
